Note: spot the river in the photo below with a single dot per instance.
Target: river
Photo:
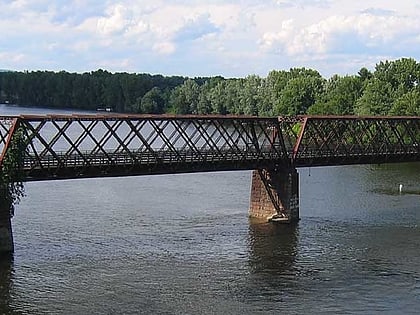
(183, 244)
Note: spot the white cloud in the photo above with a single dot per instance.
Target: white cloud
(192, 37)
(117, 19)
(138, 27)
(196, 28)
(371, 31)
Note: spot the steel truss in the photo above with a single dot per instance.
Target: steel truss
(335, 140)
(95, 146)
(77, 146)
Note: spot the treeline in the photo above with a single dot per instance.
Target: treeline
(391, 89)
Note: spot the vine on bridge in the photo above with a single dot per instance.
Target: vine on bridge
(11, 173)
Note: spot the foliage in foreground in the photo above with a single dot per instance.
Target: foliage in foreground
(11, 185)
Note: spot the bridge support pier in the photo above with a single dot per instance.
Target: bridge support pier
(275, 195)
(6, 235)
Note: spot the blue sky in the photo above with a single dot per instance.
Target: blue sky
(207, 38)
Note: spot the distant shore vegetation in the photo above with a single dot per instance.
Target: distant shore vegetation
(392, 88)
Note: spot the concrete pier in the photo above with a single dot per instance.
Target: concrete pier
(6, 235)
(275, 195)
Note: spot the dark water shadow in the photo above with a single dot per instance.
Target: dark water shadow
(273, 248)
(6, 284)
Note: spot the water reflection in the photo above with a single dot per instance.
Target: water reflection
(272, 248)
(6, 284)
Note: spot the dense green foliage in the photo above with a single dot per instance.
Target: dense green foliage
(11, 185)
(391, 89)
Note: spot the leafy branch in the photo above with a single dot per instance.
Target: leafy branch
(11, 173)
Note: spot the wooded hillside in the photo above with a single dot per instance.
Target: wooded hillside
(391, 89)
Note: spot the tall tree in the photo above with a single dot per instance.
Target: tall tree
(339, 97)
(250, 94)
(300, 93)
(152, 102)
(407, 104)
(377, 98)
(184, 98)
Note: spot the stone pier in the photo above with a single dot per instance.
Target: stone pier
(275, 195)
(6, 235)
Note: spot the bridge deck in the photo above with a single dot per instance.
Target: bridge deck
(144, 163)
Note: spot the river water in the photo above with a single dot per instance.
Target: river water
(183, 244)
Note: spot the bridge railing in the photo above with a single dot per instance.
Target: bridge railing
(144, 157)
(119, 163)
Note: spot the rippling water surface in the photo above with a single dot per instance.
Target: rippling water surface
(183, 244)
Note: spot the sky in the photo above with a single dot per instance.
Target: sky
(207, 38)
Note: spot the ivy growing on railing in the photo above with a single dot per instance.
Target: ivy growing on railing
(11, 173)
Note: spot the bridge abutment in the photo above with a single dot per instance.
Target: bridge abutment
(6, 235)
(275, 195)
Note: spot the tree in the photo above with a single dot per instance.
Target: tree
(299, 94)
(249, 95)
(204, 104)
(218, 98)
(377, 98)
(403, 74)
(184, 98)
(407, 104)
(389, 89)
(152, 102)
(392, 88)
(273, 87)
(339, 97)
(365, 74)
(11, 174)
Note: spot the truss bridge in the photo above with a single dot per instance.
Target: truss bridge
(54, 147)
(75, 146)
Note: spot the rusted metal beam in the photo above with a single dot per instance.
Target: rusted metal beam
(6, 138)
